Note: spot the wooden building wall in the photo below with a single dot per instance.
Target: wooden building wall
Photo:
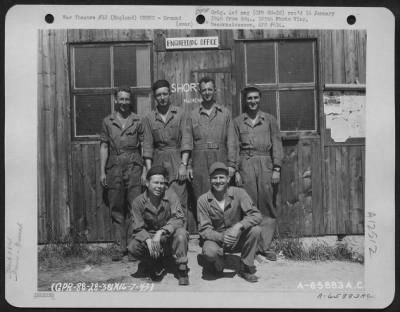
(54, 157)
(322, 188)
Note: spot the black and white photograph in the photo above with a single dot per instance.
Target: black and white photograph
(201, 160)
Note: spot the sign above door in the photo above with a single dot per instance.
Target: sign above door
(191, 43)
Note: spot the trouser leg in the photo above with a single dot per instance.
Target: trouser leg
(248, 244)
(133, 190)
(179, 244)
(268, 207)
(139, 250)
(176, 244)
(249, 178)
(256, 173)
(213, 255)
(116, 201)
(134, 185)
(268, 229)
(200, 182)
(202, 160)
(180, 189)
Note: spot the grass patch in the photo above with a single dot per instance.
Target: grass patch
(294, 249)
(72, 255)
(73, 252)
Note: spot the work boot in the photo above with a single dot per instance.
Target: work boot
(183, 276)
(247, 273)
(157, 271)
(210, 272)
(217, 265)
(269, 254)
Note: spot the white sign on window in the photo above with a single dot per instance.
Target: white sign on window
(191, 43)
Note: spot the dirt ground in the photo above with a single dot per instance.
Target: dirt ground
(283, 274)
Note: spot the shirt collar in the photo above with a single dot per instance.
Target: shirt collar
(228, 194)
(260, 115)
(259, 119)
(217, 106)
(132, 116)
(172, 109)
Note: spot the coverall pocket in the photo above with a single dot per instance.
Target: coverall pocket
(158, 135)
(245, 138)
(111, 162)
(269, 163)
(134, 174)
(196, 132)
(114, 177)
(132, 131)
(173, 131)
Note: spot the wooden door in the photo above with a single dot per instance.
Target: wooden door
(183, 69)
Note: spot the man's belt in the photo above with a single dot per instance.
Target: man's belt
(166, 148)
(251, 152)
(208, 145)
(124, 151)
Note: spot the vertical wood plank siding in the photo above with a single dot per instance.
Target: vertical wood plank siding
(322, 187)
(53, 137)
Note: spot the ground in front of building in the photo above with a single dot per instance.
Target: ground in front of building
(284, 274)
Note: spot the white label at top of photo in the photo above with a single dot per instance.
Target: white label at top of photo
(179, 17)
(21, 94)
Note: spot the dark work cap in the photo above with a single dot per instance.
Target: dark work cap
(218, 166)
(156, 170)
(160, 84)
(250, 89)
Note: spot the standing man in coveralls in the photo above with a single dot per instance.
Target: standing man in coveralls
(157, 228)
(213, 137)
(121, 164)
(260, 160)
(166, 142)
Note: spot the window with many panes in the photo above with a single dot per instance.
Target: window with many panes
(285, 72)
(96, 69)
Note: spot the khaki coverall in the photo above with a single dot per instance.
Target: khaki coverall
(163, 143)
(147, 220)
(213, 222)
(123, 169)
(213, 139)
(260, 148)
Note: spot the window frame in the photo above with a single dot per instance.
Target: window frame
(277, 87)
(75, 91)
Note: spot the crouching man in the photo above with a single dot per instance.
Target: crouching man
(228, 221)
(157, 227)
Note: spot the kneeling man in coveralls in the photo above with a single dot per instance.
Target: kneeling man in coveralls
(157, 227)
(228, 221)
